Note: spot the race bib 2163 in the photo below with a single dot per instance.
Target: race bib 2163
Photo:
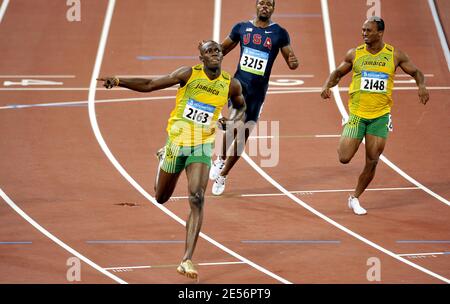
(198, 112)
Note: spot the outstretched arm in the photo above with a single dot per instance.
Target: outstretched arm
(179, 76)
(289, 57)
(238, 104)
(343, 69)
(409, 68)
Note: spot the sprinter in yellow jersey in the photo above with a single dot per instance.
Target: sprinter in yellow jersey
(373, 65)
(204, 90)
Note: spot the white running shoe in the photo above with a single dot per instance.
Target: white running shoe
(216, 168)
(219, 185)
(353, 203)
(160, 154)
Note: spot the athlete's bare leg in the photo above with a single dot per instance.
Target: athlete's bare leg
(165, 185)
(374, 147)
(227, 140)
(197, 176)
(347, 148)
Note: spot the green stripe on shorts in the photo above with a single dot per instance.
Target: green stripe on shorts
(358, 127)
(170, 158)
(353, 128)
(176, 158)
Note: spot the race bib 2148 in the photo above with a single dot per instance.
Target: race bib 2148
(374, 82)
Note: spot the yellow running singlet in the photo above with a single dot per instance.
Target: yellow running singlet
(372, 82)
(198, 106)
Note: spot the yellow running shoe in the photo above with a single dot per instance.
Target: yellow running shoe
(187, 269)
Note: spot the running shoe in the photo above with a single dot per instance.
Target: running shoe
(353, 203)
(216, 168)
(160, 154)
(160, 157)
(219, 185)
(187, 269)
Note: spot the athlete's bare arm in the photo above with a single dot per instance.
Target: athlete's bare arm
(228, 45)
(238, 104)
(343, 69)
(179, 76)
(237, 99)
(289, 57)
(410, 68)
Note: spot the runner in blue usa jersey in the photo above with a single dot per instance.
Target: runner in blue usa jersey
(260, 41)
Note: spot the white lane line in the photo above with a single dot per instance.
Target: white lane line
(415, 88)
(292, 76)
(124, 173)
(32, 82)
(327, 135)
(37, 76)
(293, 136)
(340, 104)
(425, 254)
(3, 9)
(331, 57)
(440, 32)
(307, 192)
(406, 75)
(216, 20)
(345, 89)
(56, 240)
(83, 102)
(133, 242)
(291, 242)
(327, 191)
(171, 266)
(404, 81)
(69, 89)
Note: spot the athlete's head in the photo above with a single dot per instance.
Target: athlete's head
(373, 30)
(264, 9)
(211, 54)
